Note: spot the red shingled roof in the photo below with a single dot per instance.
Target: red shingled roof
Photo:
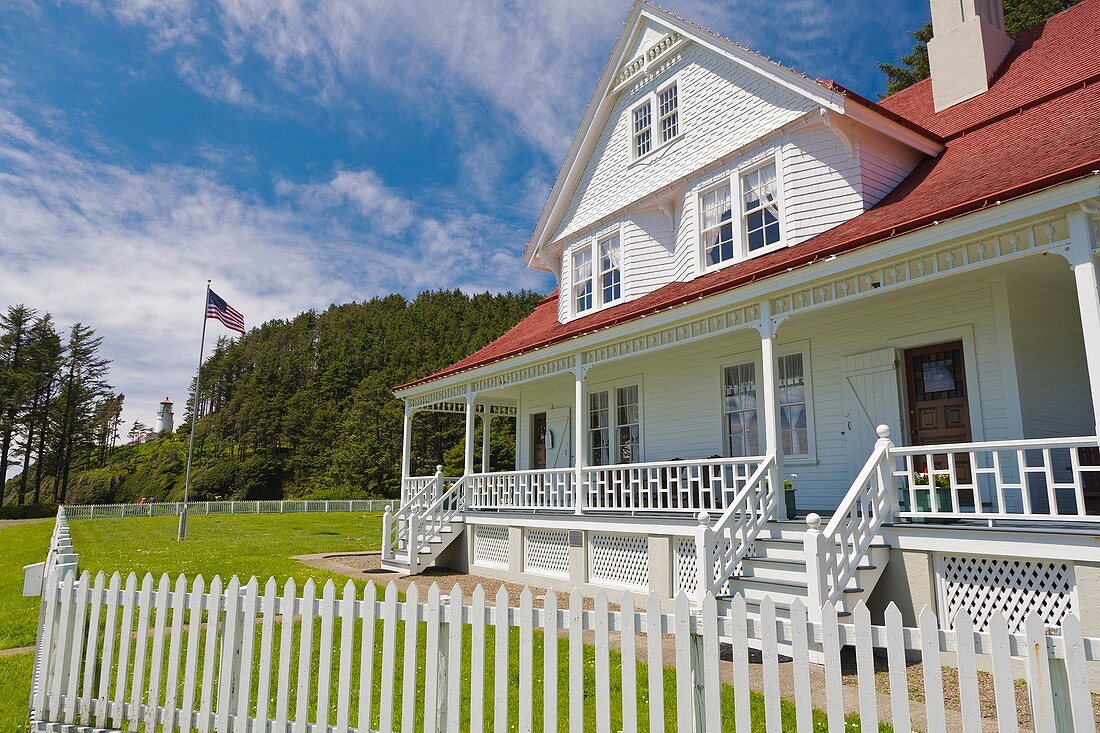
(1038, 126)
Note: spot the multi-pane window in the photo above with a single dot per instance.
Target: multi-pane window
(610, 274)
(614, 428)
(643, 129)
(792, 405)
(582, 279)
(628, 424)
(739, 410)
(599, 429)
(717, 224)
(760, 198)
(668, 117)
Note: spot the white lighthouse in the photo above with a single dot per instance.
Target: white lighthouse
(164, 417)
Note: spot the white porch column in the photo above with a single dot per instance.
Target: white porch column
(1083, 264)
(578, 433)
(773, 440)
(486, 427)
(468, 465)
(406, 451)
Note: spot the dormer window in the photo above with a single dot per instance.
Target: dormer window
(759, 218)
(597, 273)
(655, 120)
(643, 129)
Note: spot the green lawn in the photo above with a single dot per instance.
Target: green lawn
(20, 544)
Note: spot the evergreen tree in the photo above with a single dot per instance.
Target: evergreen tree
(1020, 15)
(43, 361)
(82, 386)
(15, 327)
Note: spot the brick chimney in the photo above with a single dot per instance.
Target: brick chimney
(968, 45)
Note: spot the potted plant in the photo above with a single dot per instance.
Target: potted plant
(788, 495)
(943, 492)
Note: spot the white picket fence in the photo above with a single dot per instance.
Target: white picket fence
(178, 655)
(172, 509)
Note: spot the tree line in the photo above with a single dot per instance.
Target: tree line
(58, 414)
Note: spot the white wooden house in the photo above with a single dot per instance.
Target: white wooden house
(767, 278)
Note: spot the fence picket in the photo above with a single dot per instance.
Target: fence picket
(84, 709)
(769, 651)
(454, 660)
(213, 623)
(106, 665)
(432, 677)
(171, 683)
(477, 659)
(227, 670)
(389, 632)
(305, 656)
(576, 662)
(549, 662)
(969, 697)
(267, 649)
(79, 611)
(709, 661)
(366, 656)
(408, 678)
(324, 655)
(58, 661)
(603, 663)
(740, 649)
(500, 661)
(933, 675)
(141, 644)
(197, 603)
(347, 641)
(246, 637)
(125, 636)
(526, 660)
(895, 659)
(834, 691)
(286, 637)
(800, 662)
(1004, 688)
(1038, 678)
(627, 611)
(1078, 673)
(865, 668)
(156, 662)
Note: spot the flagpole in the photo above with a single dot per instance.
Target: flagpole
(181, 534)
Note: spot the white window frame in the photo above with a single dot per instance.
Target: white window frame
(574, 293)
(612, 388)
(733, 179)
(592, 244)
(653, 99)
(745, 357)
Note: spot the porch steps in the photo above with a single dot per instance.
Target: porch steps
(428, 554)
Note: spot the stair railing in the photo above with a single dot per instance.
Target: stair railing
(425, 526)
(722, 547)
(833, 556)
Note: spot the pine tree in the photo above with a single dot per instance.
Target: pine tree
(15, 327)
(43, 360)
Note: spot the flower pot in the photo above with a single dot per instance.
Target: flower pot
(788, 497)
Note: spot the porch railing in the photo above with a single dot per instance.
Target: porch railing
(686, 487)
(1051, 479)
(413, 486)
(550, 488)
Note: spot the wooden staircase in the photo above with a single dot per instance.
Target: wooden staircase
(415, 537)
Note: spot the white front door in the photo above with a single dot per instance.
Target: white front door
(558, 434)
(870, 387)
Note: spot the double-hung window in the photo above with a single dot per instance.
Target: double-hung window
(582, 280)
(793, 422)
(739, 410)
(610, 273)
(743, 411)
(643, 129)
(668, 113)
(655, 120)
(614, 426)
(729, 235)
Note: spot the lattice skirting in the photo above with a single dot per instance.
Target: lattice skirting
(491, 546)
(546, 552)
(982, 586)
(619, 559)
(686, 567)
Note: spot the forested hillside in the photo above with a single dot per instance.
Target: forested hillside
(303, 407)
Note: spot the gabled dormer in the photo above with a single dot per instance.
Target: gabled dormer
(696, 154)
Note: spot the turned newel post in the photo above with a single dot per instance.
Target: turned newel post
(437, 490)
(817, 581)
(704, 562)
(885, 474)
(413, 541)
(387, 534)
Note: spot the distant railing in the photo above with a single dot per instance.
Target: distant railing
(172, 509)
(1044, 480)
(549, 488)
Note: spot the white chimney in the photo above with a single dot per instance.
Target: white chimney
(968, 45)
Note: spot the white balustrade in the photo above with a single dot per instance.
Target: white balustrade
(550, 488)
(685, 487)
(1050, 479)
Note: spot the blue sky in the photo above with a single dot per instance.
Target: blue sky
(307, 153)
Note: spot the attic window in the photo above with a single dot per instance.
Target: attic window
(667, 112)
(582, 279)
(643, 129)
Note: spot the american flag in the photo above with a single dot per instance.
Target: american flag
(216, 307)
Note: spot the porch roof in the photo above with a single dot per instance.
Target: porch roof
(1037, 127)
